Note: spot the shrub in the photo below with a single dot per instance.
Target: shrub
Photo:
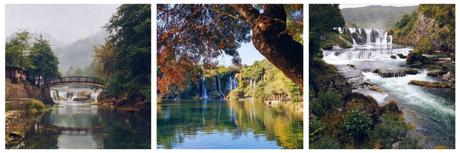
(408, 143)
(316, 108)
(316, 125)
(390, 130)
(36, 106)
(330, 100)
(356, 125)
(325, 143)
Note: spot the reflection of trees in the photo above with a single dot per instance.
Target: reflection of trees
(125, 130)
(188, 118)
(119, 129)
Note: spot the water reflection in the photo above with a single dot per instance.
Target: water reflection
(85, 126)
(221, 124)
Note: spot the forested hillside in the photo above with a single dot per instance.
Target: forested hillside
(429, 28)
(381, 17)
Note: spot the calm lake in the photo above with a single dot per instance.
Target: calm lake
(85, 126)
(224, 124)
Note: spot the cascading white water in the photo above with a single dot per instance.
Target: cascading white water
(378, 35)
(204, 93)
(432, 111)
(230, 83)
(219, 88)
(353, 55)
(235, 81)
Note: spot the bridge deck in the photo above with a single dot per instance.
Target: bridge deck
(73, 79)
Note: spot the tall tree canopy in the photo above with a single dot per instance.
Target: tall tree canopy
(44, 62)
(197, 34)
(16, 50)
(38, 59)
(323, 18)
(124, 60)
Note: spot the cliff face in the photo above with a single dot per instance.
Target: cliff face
(431, 27)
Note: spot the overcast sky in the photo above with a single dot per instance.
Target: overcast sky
(341, 6)
(66, 23)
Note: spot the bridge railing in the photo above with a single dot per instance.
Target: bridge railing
(70, 79)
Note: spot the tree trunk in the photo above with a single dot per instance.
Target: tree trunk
(270, 37)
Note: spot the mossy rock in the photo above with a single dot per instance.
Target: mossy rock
(410, 71)
(357, 101)
(436, 73)
(391, 108)
(431, 84)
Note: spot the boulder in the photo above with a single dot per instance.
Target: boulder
(391, 107)
(436, 73)
(366, 103)
(428, 84)
(401, 56)
(410, 71)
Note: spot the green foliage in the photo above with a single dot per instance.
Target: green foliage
(36, 106)
(38, 59)
(16, 50)
(323, 19)
(389, 130)
(408, 143)
(439, 34)
(44, 62)
(221, 71)
(425, 45)
(335, 39)
(356, 125)
(316, 126)
(128, 75)
(269, 81)
(325, 102)
(325, 143)
(316, 107)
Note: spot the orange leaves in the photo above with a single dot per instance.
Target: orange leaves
(173, 72)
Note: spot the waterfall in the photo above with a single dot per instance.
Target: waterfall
(219, 88)
(354, 41)
(204, 93)
(252, 84)
(368, 36)
(357, 54)
(235, 81)
(230, 83)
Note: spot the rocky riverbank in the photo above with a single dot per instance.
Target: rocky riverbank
(23, 110)
(342, 118)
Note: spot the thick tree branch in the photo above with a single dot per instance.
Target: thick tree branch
(272, 40)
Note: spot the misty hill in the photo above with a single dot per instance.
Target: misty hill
(55, 43)
(79, 53)
(382, 17)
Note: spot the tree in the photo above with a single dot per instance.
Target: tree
(323, 19)
(16, 50)
(127, 65)
(200, 33)
(44, 62)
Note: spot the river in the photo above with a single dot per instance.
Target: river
(432, 111)
(225, 124)
(73, 125)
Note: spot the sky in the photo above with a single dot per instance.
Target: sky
(341, 6)
(66, 23)
(248, 53)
